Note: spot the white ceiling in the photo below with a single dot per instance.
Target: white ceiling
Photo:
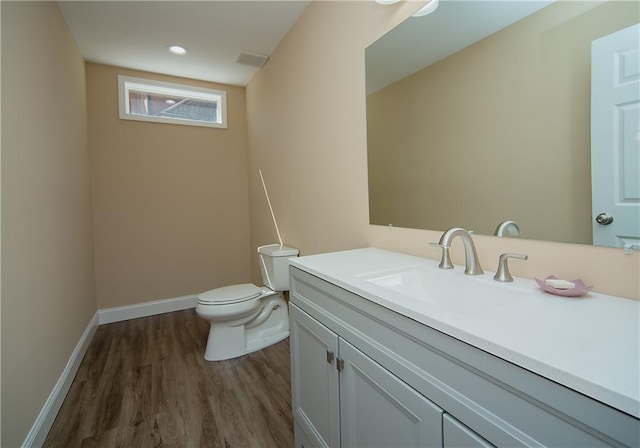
(135, 34)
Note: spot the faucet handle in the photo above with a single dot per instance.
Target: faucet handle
(503, 274)
(445, 262)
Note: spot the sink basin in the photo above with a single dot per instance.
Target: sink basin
(448, 289)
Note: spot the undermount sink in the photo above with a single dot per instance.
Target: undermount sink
(448, 289)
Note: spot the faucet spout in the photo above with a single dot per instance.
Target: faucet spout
(507, 227)
(472, 264)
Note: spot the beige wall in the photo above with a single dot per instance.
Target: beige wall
(516, 110)
(170, 202)
(48, 295)
(307, 131)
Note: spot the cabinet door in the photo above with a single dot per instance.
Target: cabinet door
(379, 410)
(314, 381)
(457, 435)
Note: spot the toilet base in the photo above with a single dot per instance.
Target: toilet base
(215, 354)
(229, 340)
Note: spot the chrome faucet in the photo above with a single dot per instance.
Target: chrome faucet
(503, 274)
(507, 226)
(471, 256)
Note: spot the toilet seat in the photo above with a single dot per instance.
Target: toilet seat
(230, 294)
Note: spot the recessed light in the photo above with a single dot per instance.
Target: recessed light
(177, 49)
(387, 2)
(170, 101)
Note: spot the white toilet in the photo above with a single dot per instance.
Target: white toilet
(245, 318)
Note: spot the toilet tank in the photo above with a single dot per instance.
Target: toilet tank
(274, 265)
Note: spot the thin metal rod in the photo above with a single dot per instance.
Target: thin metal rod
(270, 208)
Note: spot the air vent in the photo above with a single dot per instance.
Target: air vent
(252, 59)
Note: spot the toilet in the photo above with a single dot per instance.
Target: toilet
(245, 318)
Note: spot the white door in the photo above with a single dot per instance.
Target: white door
(378, 410)
(615, 138)
(314, 381)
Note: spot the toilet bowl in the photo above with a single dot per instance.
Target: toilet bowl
(245, 318)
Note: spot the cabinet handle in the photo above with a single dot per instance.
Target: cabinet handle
(330, 357)
(340, 364)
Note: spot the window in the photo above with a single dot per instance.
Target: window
(163, 102)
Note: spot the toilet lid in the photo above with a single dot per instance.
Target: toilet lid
(230, 294)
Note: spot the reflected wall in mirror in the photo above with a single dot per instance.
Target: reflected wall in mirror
(499, 130)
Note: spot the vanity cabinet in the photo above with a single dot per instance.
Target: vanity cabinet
(342, 398)
(314, 380)
(457, 435)
(363, 375)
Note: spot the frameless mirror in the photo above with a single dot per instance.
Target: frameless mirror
(480, 113)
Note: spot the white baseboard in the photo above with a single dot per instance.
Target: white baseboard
(120, 313)
(40, 429)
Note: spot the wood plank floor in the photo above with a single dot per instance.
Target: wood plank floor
(145, 383)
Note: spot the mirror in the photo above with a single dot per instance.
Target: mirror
(479, 114)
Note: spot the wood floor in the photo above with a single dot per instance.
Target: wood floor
(145, 383)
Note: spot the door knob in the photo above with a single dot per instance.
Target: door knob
(604, 219)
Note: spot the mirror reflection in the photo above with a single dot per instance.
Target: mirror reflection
(479, 116)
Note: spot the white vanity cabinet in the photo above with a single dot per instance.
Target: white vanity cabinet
(366, 376)
(457, 435)
(342, 398)
(315, 381)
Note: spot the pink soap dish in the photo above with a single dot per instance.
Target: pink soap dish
(579, 289)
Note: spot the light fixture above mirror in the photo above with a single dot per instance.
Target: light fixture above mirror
(426, 9)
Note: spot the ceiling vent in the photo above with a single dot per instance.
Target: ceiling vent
(253, 59)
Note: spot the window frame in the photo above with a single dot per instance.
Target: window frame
(127, 83)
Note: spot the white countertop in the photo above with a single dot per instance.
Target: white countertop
(590, 344)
